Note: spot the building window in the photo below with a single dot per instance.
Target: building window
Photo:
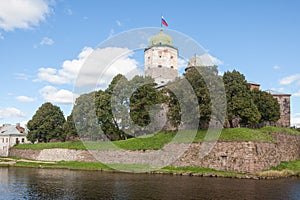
(6, 140)
(159, 56)
(23, 140)
(172, 67)
(148, 57)
(171, 57)
(159, 66)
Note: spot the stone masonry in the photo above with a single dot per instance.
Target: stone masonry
(248, 157)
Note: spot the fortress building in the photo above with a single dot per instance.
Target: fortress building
(161, 59)
(195, 61)
(284, 101)
(161, 63)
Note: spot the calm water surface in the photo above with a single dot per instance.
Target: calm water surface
(26, 183)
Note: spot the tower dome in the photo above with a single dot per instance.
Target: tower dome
(161, 59)
(161, 39)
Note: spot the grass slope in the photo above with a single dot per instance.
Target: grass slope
(157, 141)
(285, 169)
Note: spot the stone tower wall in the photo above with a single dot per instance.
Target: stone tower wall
(161, 63)
(285, 110)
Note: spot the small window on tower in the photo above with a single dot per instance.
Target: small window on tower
(159, 56)
(159, 66)
(171, 57)
(148, 57)
(172, 67)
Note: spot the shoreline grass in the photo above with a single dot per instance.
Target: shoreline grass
(158, 140)
(284, 170)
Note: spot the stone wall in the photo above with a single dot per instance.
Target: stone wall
(285, 110)
(248, 157)
(244, 156)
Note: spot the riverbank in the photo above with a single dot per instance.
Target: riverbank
(285, 169)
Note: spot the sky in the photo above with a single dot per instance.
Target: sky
(45, 43)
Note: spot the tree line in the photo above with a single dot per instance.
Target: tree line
(128, 108)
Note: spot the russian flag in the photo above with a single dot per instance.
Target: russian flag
(163, 21)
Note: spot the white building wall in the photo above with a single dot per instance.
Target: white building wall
(161, 63)
(8, 141)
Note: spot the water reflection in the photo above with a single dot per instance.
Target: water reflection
(26, 183)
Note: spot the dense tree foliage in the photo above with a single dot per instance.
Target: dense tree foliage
(129, 108)
(123, 108)
(46, 124)
(241, 109)
(70, 128)
(144, 105)
(85, 118)
(206, 85)
(267, 106)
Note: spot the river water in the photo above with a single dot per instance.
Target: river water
(29, 183)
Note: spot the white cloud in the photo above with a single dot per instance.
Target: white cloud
(276, 67)
(10, 113)
(23, 14)
(118, 23)
(69, 12)
(182, 64)
(111, 33)
(295, 121)
(92, 67)
(290, 79)
(209, 60)
(296, 115)
(22, 76)
(297, 94)
(46, 41)
(103, 64)
(68, 72)
(55, 95)
(25, 99)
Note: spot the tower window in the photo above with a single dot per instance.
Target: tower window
(159, 56)
(172, 67)
(148, 57)
(159, 66)
(171, 57)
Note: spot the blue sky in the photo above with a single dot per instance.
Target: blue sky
(43, 43)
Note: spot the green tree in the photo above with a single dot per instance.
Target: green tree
(145, 98)
(267, 105)
(46, 124)
(206, 85)
(70, 129)
(111, 110)
(241, 109)
(85, 117)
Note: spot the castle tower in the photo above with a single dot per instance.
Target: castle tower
(284, 101)
(195, 61)
(160, 59)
